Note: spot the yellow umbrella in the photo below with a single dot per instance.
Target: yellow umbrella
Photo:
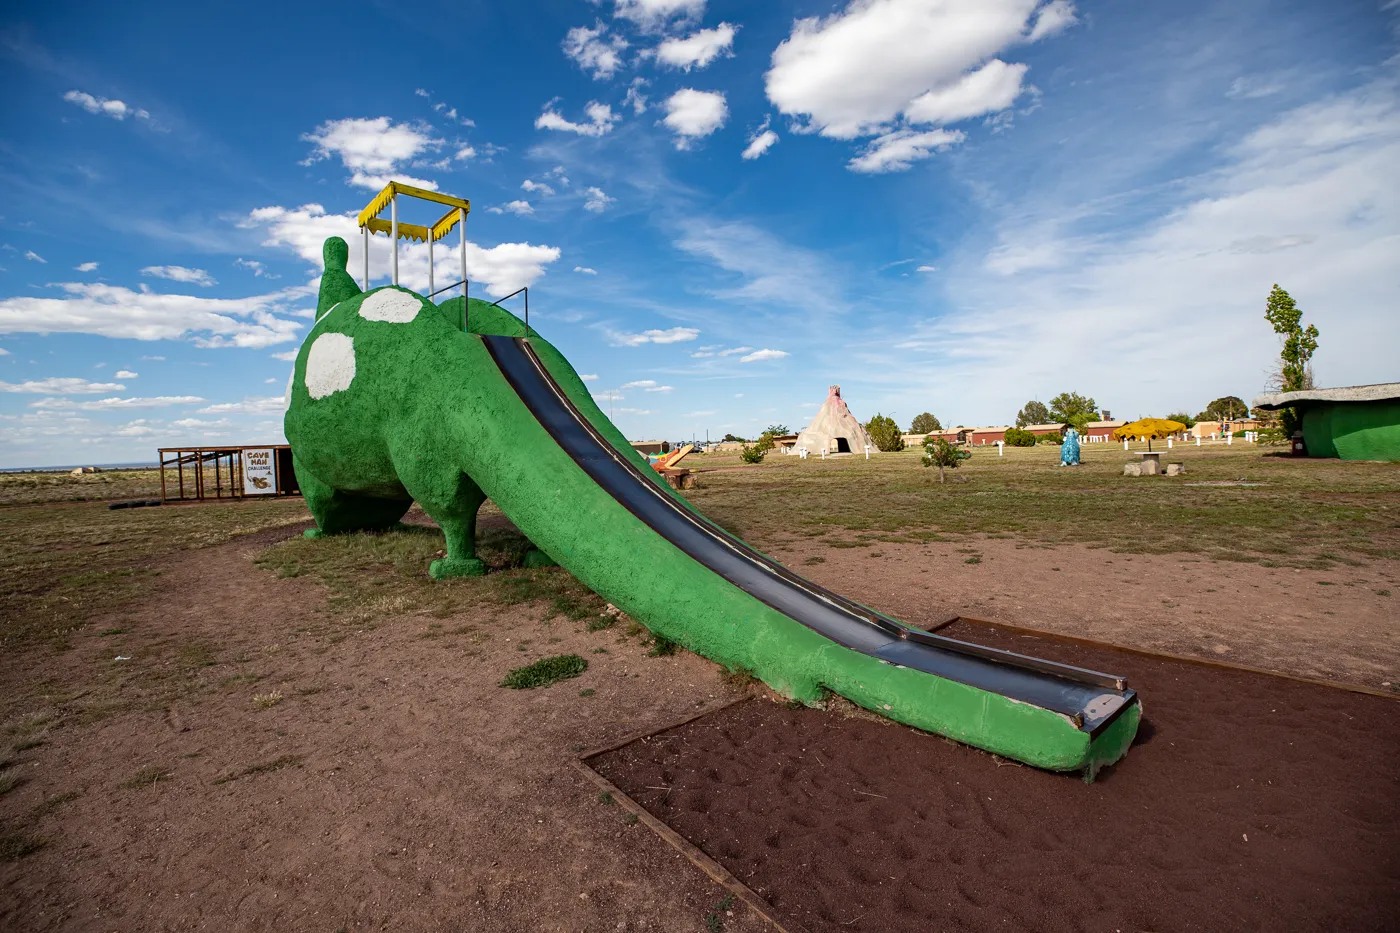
(1149, 428)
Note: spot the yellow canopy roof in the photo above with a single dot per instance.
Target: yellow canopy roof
(369, 217)
(1149, 427)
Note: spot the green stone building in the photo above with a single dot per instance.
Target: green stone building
(1353, 423)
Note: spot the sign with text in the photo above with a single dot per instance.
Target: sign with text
(259, 471)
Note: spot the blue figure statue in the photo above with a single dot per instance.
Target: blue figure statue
(1069, 450)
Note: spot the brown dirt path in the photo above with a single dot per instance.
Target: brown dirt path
(1340, 624)
(394, 787)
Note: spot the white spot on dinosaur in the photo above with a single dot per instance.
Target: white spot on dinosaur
(391, 306)
(328, 312)
(330, 365)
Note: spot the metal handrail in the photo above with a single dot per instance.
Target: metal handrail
(526, 290)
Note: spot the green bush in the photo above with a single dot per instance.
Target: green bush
(754, 453)
(940, 453)
(1016, 437)
(884, 434)
(1051, 438)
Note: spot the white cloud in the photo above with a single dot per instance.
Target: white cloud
(285, 356)
(115, 109)
(897, 151)
(419, 92)
(639, 384)
(600, 120)
(589, 377)
(1251, 87)
(635, 98)
(1055, 17)
(515, 207)
(451, 114)
(733, 350)
(111, 311)
(651, 15)
(661, 388)
(158, 359)
(116, 404)
(691, 114)
(764, 354)
(4, 352)
(372, 149)
(670, 335)
(538, 187)
(464, 153)
(249, 406)
(597, 201)
(86, 267)
(181, 274)
(35, 257)
(63, 385)
(761, 141)
(585, 270)
(123, 374)
(926, 269)
(594, 53)
(854, 72)
(501, 269)
(634, 411)
(252, 265)
(993, 87)
(697, 49)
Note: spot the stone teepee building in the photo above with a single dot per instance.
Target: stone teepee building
(834, 429)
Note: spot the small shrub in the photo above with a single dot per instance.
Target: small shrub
(16, 846)
(884, 433)
(1051, 438)
(940, 453)
(545, 672)
(661, 646)
(267, 700)
(754, 453)
(1018, 437)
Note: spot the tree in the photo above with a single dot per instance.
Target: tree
(1295, 358)
(940, 453)
(734, 438)
(1015, 437)
(925, 423)
(1225, 408)
(1034, 413)
(1073, 409)
(776, 430)
(1183, 418)
(884, 433)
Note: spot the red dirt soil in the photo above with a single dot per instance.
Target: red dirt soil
(1249, 802)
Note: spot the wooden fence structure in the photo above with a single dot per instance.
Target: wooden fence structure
(245, 471)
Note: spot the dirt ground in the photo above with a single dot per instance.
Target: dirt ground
(395, 786)
(1340, 624)
(1248, 802)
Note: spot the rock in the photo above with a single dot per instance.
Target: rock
(76, 472)
(1150, 468)
(1176, 469)
(1132, 469)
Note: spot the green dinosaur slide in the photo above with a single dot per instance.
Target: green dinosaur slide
(395, 399)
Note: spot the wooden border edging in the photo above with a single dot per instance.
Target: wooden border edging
(717, 872)
(1167, 656)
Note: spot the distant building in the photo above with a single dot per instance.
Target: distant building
(1353, 422)
(1100, 430)
(652, 447)
(980, 437)
(1221, 428)
(1040, 430)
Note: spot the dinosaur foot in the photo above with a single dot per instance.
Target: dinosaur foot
(448, 567)
(537, 558)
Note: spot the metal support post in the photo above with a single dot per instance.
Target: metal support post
(394, 232)
(366, 242)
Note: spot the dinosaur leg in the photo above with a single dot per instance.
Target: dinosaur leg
(337, 512)
(451, 499)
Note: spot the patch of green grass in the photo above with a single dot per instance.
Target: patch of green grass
(15, 846)
(9, 780)
(112, 631)
(587, 692)
(267, 700)
(630, 819)
(740, 679)
(813, 561)
(266, 767)
(973, 560)
(24, 745)
(606, 798)
(545, 672)
(146, 776)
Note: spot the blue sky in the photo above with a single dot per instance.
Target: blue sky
(720, 208)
